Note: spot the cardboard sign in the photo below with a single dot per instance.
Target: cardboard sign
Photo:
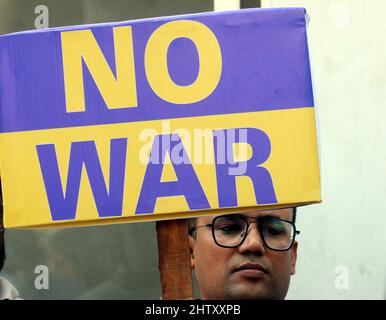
(156, 119)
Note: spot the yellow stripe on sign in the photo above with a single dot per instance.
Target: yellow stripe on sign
(292, 164)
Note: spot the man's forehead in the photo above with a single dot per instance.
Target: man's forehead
(285, 213)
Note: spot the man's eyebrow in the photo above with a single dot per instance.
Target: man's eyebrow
(264, 216)
(269, 216)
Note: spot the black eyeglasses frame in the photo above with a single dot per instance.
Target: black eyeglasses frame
(259, 226)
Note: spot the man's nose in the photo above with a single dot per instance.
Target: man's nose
(253, 243)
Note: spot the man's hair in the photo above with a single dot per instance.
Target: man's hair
(191, 226)
(192, 223)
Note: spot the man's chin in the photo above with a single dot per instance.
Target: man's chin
(248, 292)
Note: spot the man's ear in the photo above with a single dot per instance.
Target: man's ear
(192, 243)
(294, 255)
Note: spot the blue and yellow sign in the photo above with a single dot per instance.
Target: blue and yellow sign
(156, 119)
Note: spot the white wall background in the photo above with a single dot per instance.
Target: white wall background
(342, 245)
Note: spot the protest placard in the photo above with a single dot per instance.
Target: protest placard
(156, 119)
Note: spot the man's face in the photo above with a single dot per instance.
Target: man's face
(217, 268)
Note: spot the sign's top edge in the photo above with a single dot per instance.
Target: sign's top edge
(155, 19)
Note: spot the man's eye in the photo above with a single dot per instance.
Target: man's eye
(275, 229)
(232, 228)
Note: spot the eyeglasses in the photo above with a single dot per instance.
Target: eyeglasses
(230, 231)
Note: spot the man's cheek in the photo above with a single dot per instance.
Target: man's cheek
(280, 263)
(294, 257)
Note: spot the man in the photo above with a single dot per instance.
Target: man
(7, 290)
(244, 256)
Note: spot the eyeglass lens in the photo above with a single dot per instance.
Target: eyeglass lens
(229, 231)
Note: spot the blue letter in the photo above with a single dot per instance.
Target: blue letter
(187, 183)
(261, 178)
(108, 203)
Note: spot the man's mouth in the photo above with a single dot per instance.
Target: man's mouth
(252, 270)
